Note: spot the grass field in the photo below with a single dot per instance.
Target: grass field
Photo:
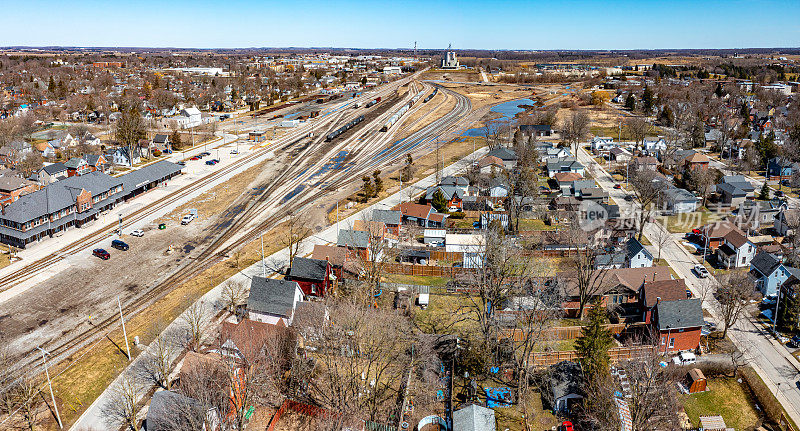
(5, 259)
(535, 224)
(725, 397)
(687, 221)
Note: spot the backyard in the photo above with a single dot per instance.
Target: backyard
(725, 397)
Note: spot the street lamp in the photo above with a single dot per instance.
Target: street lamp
(120, 225)
(50, 385)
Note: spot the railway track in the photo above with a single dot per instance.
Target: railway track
(210, 254)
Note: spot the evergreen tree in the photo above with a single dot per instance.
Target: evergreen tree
(719, 91)
(630, 102)
(764, 194)
(593, 344)
(51, 85)
(789, 312)
(368, 189)
(647, 100)
(175, 139)
(439, 202)
(378, 182)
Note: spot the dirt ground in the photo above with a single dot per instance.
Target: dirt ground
(451, 75)
(484, 95)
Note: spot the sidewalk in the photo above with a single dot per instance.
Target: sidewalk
(92, 418)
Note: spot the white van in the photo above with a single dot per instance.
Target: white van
(187, 219)
(685, 358)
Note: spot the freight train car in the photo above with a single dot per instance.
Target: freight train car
(331, 136)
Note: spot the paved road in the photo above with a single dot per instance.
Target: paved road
(769, 358)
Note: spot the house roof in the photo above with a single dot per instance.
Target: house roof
(565, 379)
(452, 180)
(93, 159)
(562, 163)
(505, 154)
(697, 158)
(54, 168)
(353, 238)
(732, 189)
(739, 181)
(309, 269)
(566, 177)
(765, 263)
(449, 192)
(633, 247)
(388, 217)
(339, 257)
(629, 278)
(490, 161)
(474, 418)
(9, 184)
(718, 229)
(684, 313)
(250, 336)
(736, 238)
(160, 139)
(75, 162)
(666, 290)
(679, 195)
(272, 296)
(609, 259)
(410, 209)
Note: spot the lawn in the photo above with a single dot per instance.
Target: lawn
(725, 397)
(511, 418)
(685, 222)
(446, 314)
(5, 258)
(535, 225)
(464, 223)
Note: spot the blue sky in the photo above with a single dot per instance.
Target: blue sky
(533, 24)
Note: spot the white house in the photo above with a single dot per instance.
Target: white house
(736, 250)
(473, 246)
(655, 145)
(637, 255)
(601, 144)
(273, 301)
(189, 117)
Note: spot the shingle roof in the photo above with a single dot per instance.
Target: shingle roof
(736, 238)
(765, 263)
(272, 296)
(633, 247)
(388, 217)
(148, 174)
(503, 154)
(310, 269)
(160, 139)
(666, 290)
(353, 238)
(684, 313)
(454, 181)
(74, 162)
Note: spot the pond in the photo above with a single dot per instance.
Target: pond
(508, 110)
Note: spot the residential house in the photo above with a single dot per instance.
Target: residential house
(594, 194)
(434, 236)
(759, 213)
(498, 188)
(620, 155)
(779, 168)
(565, 181)
(696, 161)
(566, 383)
(734, 190)
(77, 166)
(392, 219)
(474, 418)
(190, 117)
(602, 144)
(96, 162)
(51, 173)
(356, 240)
(609, 261)
(550, 152)
(538, 130)
(654, 146)
(642, 163)
(678, 200)
(454, 196)
(736, 250)
(11, 188)
(422, 215)
(617, 287)
(678, 324)
(786, 221)
(46, 149)
(653, 292)
(769, 272)
(636, 255)
(343, 261)
(160, 142)
(247, 339)
(714, 233)
(507, 155)
(315, 276)
(273, 301)
(454, 181)
(122, 156)
(489, 164)
(564, 164)
(472, 246)
(377, 231)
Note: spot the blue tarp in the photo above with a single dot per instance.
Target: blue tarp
(498, 397)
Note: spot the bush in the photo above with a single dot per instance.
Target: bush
(457, 215)
(156, 153)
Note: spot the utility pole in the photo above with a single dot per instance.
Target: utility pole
(50, 385)
(124, 332)
(263, 265)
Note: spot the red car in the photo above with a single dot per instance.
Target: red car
(566, 426)
(102, 254)
(195, 158)
(617, 186)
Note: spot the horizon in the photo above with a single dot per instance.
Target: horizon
(512, 25)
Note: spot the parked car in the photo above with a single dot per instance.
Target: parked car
(138, 232)
(205, 153)
(102, 254)
(195, 158)
(617, 186)
(794, 342)
(628, 198)
(688, 293)
(162, 226)
(119, 245)
(685, 358)
(187, 219)
(700, 271)
(566, 426)
(769, 301)
(234, 151)
(211, 162)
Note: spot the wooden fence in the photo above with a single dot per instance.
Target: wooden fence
(454, 256)
(561, 333)
(616, 354)
(425, 270)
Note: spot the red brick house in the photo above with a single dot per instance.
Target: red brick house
(714, 234)
(653, 292)
(96, 162)
(343, 261)
(77, 166)
(315, 276)
(696, 161)
(678, 324)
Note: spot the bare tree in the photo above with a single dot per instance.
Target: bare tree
(122, 407)
(575, 129)
(647, 191)
(733, 293)
(195, 321)
(296, 230)
(701, 180)
(157, 364)
(580, 276)
(638, 128)
(662, 238)
(234, 294)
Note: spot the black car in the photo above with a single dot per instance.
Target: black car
(119, 245)
(794, 342)
(205, 153)
(628, 198)
(102, 254)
